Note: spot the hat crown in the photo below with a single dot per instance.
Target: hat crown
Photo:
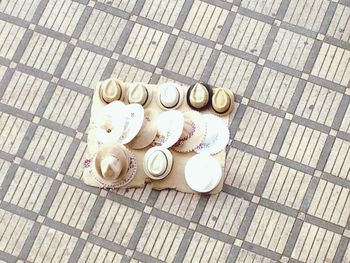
(111, 167)
(169, 96)
(157, 163)
(221, 100)
(199, 95)
(137, 94)
(111, 90)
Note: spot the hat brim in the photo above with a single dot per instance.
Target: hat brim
(179, 102)
(134, 120)
(198, 135)
(147, 132)
(128, 173)
(210, 95)
(171, 134)
(169, 158)
(222, 136)
(230, 108)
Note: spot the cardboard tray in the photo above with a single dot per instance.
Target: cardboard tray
(176, 179)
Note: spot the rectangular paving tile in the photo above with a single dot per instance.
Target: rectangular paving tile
(160, 239)
(103, 29)
(4, 167)
(275, 88)
(345, 125)
(11, 35)
(248, 256)
(290, 49)
(20, 8)
(43, 52)
(243, 170)
(287, 186)
(12, 132)
(177, 203)
(122, 5)
(338, 163)
(71, 206)
(197, 57)
(340, 26)
(85, 67)
(258, 129)
(52, 244)
(224, 213)
(205, 20)
(165, 12)
(268, 7)
(67, 107)
(116, 222)
(270, 229)
(75, 168)
(24, 92)
(248, 34)
(333, 64)
(306, 13)
(129, 73)
(61, 16)
(232, 72)
(206, 248)
(145, 43)
(303, 144)
(318, 104)
(28, 189)
(13, 232)
(48, 148)
(315, 244)
(93, 253)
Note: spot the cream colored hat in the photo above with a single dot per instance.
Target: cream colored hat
(169, 128)
(222, 101)
(147, 133)
(203, 173)
(115, 166)
(139, 93)
(193, 132)
(217, 135)
(109, 122)
(157, 163)
(170, 96)
(199, 96)
(111, 90)
(134, 115)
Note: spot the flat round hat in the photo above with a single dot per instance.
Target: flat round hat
(169, 128)
(134, 115)
(170, 96)
(109, 122)
(203, 173)
(139, 93)
(157, 162)
(193, 132)
(199, 96)
(147, 132)
(113, 166)
(222, 101)
(217, 135)
(111, 90)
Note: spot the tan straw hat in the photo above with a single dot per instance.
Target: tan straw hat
(148, 131)
(199, 96)
(203, 173)
(170, 96)
(193, 132)
(222, 101)
(157, 162)
(139, 93)
(115, 166)
(111, 90)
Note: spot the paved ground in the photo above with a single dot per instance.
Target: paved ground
(286, 195)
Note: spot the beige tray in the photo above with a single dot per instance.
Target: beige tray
(176, 179)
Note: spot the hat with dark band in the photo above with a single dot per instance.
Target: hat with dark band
(199, 96)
